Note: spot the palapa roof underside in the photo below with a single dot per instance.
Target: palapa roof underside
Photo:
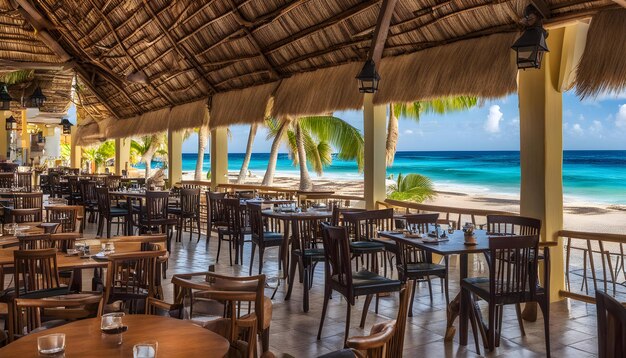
(138, 61)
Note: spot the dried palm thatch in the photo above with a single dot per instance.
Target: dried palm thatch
(602, 68)
(88, 133)
(320, 91)
(241, 106)
(188, 115)
(483, 67)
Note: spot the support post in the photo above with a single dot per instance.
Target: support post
(76, 151)
(4, 137)
(541, 152)
(122, 155)
(174, 156)
(375, 168)
(219, 157)
(24, 137)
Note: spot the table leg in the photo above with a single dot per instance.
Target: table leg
(129, 218)
(463, 314)
(452, 313)
(77, 280)
(285, 249)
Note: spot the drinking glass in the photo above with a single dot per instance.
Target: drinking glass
(451, 227)
(51, 343)
(145, 350)
(112, 327)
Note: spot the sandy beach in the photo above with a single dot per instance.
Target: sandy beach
(577, 215)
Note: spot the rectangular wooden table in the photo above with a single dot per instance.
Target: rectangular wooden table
(453, 246)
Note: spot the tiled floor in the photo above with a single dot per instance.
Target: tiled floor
(573, 324)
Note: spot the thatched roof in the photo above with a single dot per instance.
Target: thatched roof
(138, 60)
(602, 68)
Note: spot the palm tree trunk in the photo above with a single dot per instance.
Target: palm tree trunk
(392, 136)
(268, 178)
(305, 179)
(203, 135)
(246, 160)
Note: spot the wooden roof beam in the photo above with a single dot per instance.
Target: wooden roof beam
(41, 24)
(621, 3)
(85, 78)
(382, 30)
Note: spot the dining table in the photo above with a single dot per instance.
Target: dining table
(83, 338)
(454, 243)
(129, 196)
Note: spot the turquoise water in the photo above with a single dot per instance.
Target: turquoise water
(594, 176)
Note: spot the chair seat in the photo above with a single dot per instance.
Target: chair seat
(317, 254)
(423, 268)
(174, 211)
(342, 353)
(118, 211)
(367, 282)
(272, 236)
(480, 286)
(363, 247)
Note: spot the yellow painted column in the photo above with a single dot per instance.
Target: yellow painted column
(375, 135)
(24, 138)
(219, 156)
(174, 156)
(541, 152)
(76, 151)
(4, 137)
(122, 155)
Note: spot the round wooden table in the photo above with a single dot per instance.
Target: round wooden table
(176, 338)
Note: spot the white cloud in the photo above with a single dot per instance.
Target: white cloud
(492, 125)
(581, 117)
(611, 96)
(620, 118)
(577, 129)
(408, 131)
(596, 129)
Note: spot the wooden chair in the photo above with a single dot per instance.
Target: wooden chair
(131, 277)
(25, 181)
(363, 227)
(233, 292)
(416, 264)
(7, 180)
(28, 312)
(337, 218)
(156, 307)
(64, 241)
(216, 215)
(69, 217)
(189, 210)
(54, 180)
(515, 225)
(113, 182)
(611, 326)
(109, 213)
(306, 252)
(89, 198)
(25, 215)
(513, 267)
(340, 277)
(263, 236)
(34, 242)
(27, 207)
(75, 197)
(154, 218)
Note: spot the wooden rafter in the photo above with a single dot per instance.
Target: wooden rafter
(382, 29)
(85, 78)
(621, 3)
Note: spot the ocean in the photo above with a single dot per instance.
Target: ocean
(588, 176)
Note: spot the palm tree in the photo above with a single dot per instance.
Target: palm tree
(312, 139)
(412, 187)
(415, 110)
(277, 131)
(246, 159)
(203, 136)
(146, 148)
(98, 155)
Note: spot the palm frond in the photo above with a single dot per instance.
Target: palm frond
(412, 187)
(14, 77)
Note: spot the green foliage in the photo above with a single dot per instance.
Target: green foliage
(139, 148)
(439, 106)
(412, 187)
(100, 154)
(66, 151)
(14, 77)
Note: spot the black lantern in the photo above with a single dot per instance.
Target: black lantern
(11, 124)
(531, 46)
(5, 97)
(37, 99)
(368, 78)
(67, 126)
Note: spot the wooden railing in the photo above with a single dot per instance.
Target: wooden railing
(458, 216)
(593, 261)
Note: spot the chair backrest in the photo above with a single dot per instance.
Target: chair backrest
(35, 270)
(74, 184)
(257, 225)
(156, 205)
(113, 182)
(131, 273)
(513, 265)
(103, 200)
(421, 222)
(64, 241)
(7, 180)
(216, 207)
(513, 225)
(88, 191)
(306, 232)
(29, 201)
(67, 216)
(28, 311)
(25, 215)
(235, 217)
(25, 180)
(190, 201)
(611, 326)
(147, 242)
(365, 225)
(396, 345)
(374, 345)
(337, 218)
(337, 254)
(409, 254)
(34, 242)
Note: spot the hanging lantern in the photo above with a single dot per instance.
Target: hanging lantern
(5, 97)
(67, 126)
(37, 99)
(531, 46)
(11, 124)
(368, 78)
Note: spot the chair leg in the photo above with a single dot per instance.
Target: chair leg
(265, 340)
(366, 306)
(305, 298)
(412, 298)
(518, 311)
(219, 247)
(347, 331)
(100, 225)
(545, 311)
(109, 228)
(430, 288)
(200, 231)
(261, 255)
(491, 332)
(473, 321)
(252, 258)
(324, 308)
(292, 273)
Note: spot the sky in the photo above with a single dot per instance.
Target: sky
(587, 125)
